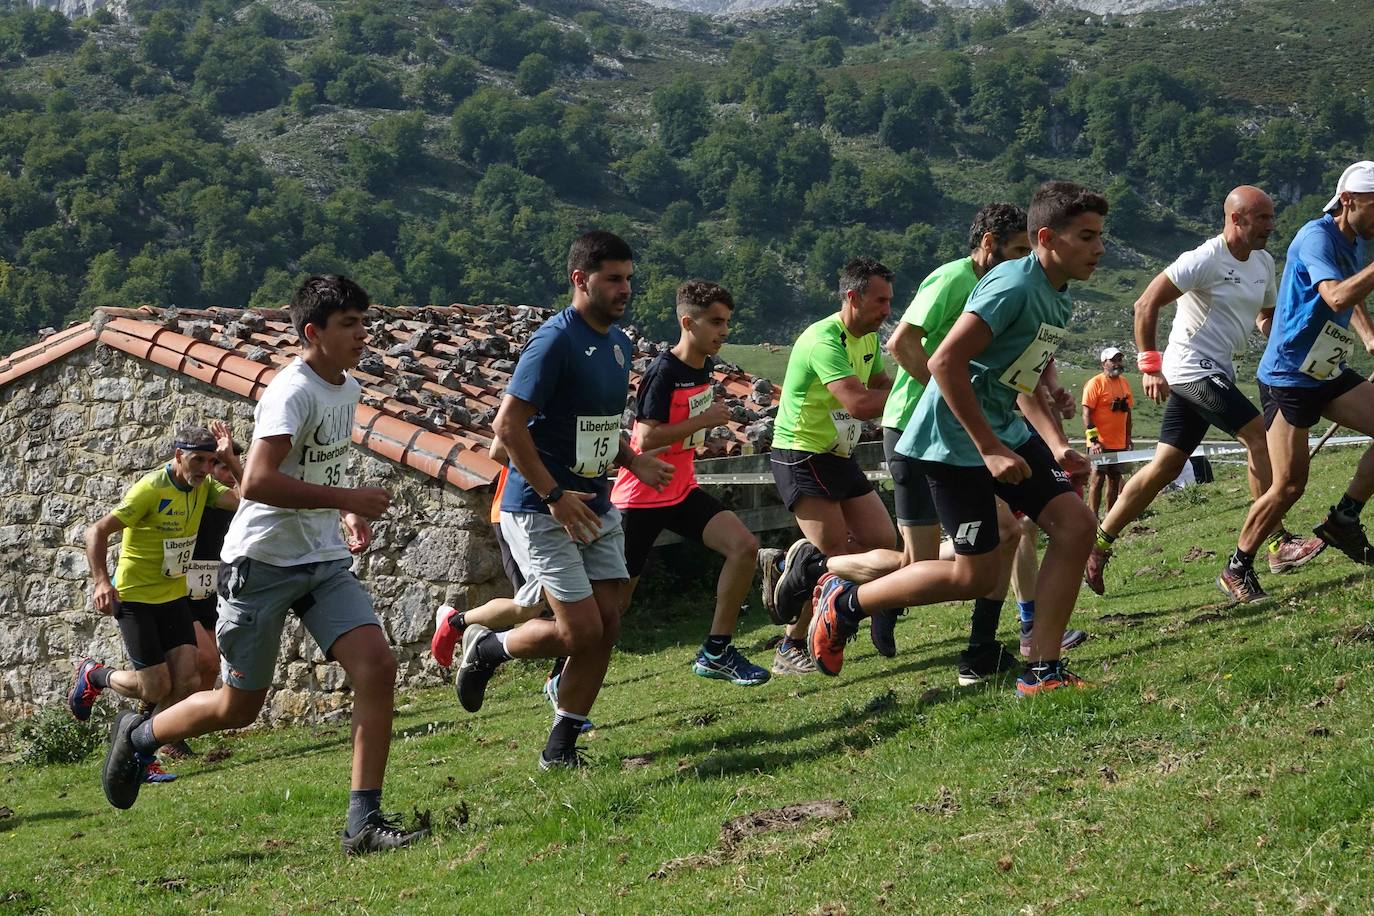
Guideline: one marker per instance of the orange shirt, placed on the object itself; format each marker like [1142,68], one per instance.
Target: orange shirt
[496,496]
[1109,402]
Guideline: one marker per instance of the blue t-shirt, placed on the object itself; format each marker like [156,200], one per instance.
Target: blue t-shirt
[578,380]
[1319,252]
[1027,317]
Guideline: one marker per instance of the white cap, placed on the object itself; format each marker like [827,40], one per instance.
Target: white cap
[1358,179]
[1109,353]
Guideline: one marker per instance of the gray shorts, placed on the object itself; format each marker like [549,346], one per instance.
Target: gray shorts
[254,598]
[554,562]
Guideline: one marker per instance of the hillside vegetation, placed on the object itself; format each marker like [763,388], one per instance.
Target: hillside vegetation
[211,152]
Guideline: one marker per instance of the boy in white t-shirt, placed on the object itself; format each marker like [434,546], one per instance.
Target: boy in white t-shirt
[1224,287]
[284,552]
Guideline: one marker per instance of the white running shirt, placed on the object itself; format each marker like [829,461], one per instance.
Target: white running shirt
[1221,297]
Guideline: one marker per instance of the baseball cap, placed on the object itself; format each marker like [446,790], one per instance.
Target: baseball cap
[1109,353]
[1358,179]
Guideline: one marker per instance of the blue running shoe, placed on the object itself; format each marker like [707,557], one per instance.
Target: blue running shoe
[551,691]
[152,769]
[81,698]
[730,666]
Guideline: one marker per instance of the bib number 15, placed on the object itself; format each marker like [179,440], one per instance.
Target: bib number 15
[598,440]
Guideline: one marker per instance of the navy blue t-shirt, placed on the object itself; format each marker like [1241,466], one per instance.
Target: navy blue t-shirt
[577,379]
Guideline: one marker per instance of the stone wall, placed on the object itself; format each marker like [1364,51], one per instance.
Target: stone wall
[75,434]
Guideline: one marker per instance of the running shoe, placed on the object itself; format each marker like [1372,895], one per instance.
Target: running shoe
[827,634]
[793,589]
[574,759]
[883,632]
[976,665]
[770,570]
[792,660]
[177,750]
[81,698]
[1072,639]
[380,833]
[474,672]
[1031,682]
[551,691]
[1241,587]
[122,773]
[446,636]
[1346,536]
[1097,565]
[152,769]
[730,666]
[1289,552]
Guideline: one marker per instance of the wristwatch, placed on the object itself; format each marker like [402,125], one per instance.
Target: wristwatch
[554,496]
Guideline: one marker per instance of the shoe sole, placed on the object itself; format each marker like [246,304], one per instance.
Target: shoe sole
[792,551]
[1334,542]
[1236,599]
[811,644]
[119,738]
[969,680]
[713,674]
[768,584]
[440,616]
[74,695]
[469,657]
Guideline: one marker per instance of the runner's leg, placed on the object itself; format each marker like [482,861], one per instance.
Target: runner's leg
[371,667]
[727,536]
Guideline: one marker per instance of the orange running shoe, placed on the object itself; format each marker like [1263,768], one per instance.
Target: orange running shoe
[1033,682]
[827,633]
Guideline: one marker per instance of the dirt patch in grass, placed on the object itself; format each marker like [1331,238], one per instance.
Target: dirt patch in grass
[738,829]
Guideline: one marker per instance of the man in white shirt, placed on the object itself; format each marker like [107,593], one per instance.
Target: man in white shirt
[1223,287]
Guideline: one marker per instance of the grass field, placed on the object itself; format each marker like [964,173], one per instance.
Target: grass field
[1222,764]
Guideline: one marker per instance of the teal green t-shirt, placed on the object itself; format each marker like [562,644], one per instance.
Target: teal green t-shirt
[939,300]
[1027,317]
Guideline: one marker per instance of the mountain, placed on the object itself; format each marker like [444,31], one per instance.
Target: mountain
[1100,7]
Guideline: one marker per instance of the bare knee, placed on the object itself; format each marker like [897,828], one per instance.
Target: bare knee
[376,669]
[1290,491]
[743,545]
[154,684]
[584,634]
[238,710]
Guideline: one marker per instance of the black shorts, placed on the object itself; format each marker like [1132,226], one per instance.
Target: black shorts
[512,568]
[910,491]
[687,519]
[150,631]
[1193,407]
[1302,407]
[825,475]
[966,497]
[204,611]
[1108,470]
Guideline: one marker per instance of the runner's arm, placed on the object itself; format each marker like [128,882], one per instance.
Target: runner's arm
[1034,410]
[497,452]
[512,427]
[1264,320]
[905,347]
[880,381]
[264,482]
[228,500]
[97,558]
[1158,294]
[1360,320]
[652,434]
[862,402]
[949,366]
[1348,293]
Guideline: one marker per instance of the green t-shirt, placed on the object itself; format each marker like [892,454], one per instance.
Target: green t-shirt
[161,519]
[1027,317]
[938,302]
[810,419]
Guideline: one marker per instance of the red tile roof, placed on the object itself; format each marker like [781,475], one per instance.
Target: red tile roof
[432,379]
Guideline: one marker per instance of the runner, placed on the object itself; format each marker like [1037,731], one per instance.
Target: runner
[974,447]
[1224,287]
[560,421]
[1303,375]
[227,469]
[835,381]
[674,408]
[1107,403]
[285,552]
[160,515]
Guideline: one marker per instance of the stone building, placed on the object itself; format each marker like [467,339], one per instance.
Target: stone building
[89,409]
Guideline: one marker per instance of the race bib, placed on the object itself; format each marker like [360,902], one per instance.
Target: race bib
[200,578]
[1329,351]
[847,432]
[597,444]
[176,556]
[1024,373]
[324,467]
[696,406]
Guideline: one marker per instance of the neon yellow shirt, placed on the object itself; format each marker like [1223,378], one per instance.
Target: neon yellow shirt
[810,418]
[161,519]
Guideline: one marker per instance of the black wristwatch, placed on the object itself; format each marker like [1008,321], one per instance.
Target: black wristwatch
[554,496]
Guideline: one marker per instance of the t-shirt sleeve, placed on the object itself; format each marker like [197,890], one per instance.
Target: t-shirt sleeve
[539,373]
[283,415]
[829,360]
[997,302]
[1130,396]
[1192,269]
[877,360]
[1318,254]
[654,399]
[216,490]
[137,504]
[933,308]
[1090,391]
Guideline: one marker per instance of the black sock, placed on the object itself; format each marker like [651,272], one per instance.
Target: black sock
[1044,668]
[491,650]
[557,668]
[1241,561]
[815,569]
[143,738]
[716,643]
[361,804]
[458,620]
[847,607]
[983,628]
[1350,508]
[100,677]
[563,736]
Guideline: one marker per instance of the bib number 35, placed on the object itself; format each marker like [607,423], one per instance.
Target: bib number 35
[1024,373]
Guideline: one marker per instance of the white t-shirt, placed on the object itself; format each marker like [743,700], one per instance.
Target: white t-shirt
[1221,297]
[318,417]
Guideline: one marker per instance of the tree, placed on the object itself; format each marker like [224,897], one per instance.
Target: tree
[535,74]
[682,114]
[652,176]
[241,72]
[825,52]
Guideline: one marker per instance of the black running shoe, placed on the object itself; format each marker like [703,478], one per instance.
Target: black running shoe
[123,771]
[794,588]
[575,758]
[882,632]
[984,662]
[379,834]
[1346,536]
[474,672]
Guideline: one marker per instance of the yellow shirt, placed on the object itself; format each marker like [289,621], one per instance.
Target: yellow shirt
[161,519]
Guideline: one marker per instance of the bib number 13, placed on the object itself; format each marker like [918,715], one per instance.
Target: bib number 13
[1329,352]
[1024,373]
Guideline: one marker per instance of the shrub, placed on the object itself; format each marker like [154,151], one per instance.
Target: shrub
[53,736]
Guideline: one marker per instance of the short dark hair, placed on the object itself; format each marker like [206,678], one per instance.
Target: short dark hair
[856,274]
[1002,220]
[323,295]
[591,249]
[696,296]
[1058,203]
